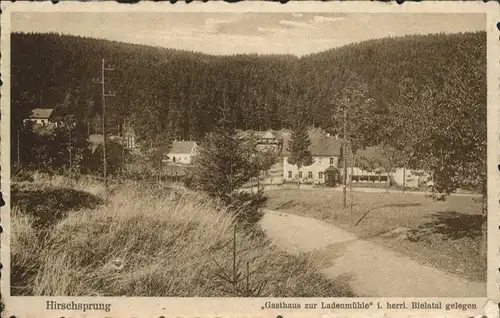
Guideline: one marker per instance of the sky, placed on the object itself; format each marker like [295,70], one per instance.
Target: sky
[223,33]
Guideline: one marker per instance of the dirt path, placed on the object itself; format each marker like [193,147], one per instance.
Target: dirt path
[370,269]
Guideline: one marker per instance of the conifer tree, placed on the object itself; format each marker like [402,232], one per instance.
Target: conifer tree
[157,151]
[300,155]
[222,166]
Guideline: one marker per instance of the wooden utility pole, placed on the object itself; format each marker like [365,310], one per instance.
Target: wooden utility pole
[158,174]
[124,144]
[104,69]
[18,150]
[345,156]
[404,179]
[70,159]
[350,183]
[69,122]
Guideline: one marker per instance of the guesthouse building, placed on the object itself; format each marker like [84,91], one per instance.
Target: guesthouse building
[325,151]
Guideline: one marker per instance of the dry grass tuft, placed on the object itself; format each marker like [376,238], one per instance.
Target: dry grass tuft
[153,243]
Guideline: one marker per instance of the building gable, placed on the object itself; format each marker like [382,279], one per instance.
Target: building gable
[41,113]
[321,146]
[183,147]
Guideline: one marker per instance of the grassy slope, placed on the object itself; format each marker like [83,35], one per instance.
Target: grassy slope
[145,243]
[447,233]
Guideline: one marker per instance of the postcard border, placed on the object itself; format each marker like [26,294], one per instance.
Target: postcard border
[230,307]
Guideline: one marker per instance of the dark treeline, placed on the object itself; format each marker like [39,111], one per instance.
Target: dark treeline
[164,90]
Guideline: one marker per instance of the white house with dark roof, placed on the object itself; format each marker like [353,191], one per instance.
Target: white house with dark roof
[325,151]
[42,117]
[182,152]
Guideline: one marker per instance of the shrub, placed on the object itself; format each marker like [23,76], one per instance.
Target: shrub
[21,175]
[46,205]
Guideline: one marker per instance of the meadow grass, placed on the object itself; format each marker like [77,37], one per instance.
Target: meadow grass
[444,234]
[147,242]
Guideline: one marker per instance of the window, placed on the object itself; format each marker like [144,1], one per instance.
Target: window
[289,174]
[173,159]
[320,175]
[300,174]
[331,161]
[310,175]
[130,142]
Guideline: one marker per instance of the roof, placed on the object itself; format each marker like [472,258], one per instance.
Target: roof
[268,135]
[373,153]
[41,113]
[182,146]
[321,145]
[96,139]
[99,138]
[258,134]
[331,168]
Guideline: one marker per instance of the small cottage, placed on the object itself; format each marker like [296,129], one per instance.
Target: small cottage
[42,117]
[182,152]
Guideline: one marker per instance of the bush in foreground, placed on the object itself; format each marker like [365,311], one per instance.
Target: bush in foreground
[48,205]
[154,245]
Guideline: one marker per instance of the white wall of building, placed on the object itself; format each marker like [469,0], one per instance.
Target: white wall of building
[183,158]
[130,141]
[320,163]
[38,121]
[412,180]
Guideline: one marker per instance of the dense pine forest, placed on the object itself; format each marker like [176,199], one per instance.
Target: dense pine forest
[183,92]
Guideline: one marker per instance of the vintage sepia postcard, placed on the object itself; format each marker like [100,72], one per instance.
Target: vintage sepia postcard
[253,159]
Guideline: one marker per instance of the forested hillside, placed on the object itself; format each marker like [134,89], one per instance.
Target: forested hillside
[169,91]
